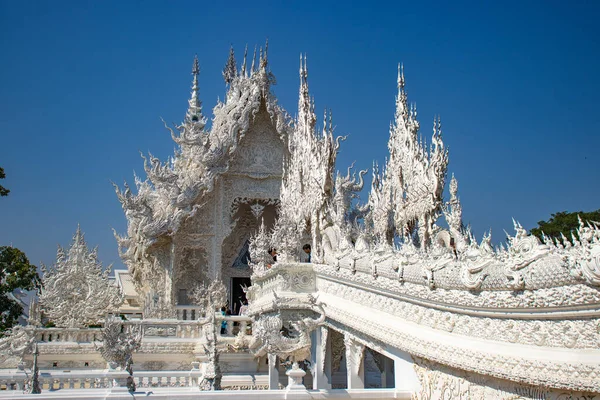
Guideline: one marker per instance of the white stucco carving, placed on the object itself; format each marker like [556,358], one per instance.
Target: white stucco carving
[76,290]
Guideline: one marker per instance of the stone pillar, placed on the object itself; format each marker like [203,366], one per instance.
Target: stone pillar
[273,372]
[355,353]
[405,377]
[387,374]
[321,358]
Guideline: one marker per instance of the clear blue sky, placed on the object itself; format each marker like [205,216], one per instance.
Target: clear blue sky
[84,84]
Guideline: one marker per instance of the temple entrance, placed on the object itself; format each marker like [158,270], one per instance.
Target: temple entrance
[237,293]
[248,214]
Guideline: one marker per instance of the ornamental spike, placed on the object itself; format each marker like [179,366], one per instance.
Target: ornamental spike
[265,60]
[305,66]
[401,76]
[243,73]
[253,61]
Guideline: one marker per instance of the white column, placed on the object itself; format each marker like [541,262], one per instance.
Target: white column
[273,372]
[355,370]
[321,358]
[387,375]
[405,377]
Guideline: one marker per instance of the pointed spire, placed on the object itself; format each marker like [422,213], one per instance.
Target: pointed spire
[306,115]
[230,70]
[194,112]
[253,61]
[244,64]
[78,238]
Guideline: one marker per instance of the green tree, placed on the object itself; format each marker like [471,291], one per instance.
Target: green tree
[16,273]
[564,222]
[3,191]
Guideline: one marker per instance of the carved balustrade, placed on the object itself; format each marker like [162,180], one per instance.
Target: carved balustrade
[79,335]
[99,379]
[180,329]
[189,313]
[289,279]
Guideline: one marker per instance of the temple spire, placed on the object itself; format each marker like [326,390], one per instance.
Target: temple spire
[230,70]
[194,112]
[306,115]
[402,108]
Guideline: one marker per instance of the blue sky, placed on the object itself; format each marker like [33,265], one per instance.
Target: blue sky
[84,85]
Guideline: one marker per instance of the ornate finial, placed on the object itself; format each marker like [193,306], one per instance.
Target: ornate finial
[230,70]
[196,66]
[194,112]
[244,64]
[453,188]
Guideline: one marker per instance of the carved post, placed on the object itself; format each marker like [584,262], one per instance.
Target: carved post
[321,359]
[34,387]
[273,372]
[355,352]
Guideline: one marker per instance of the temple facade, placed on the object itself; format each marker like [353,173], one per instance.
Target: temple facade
[192,219]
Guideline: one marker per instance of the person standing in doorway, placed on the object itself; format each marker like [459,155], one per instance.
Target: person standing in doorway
[307,251]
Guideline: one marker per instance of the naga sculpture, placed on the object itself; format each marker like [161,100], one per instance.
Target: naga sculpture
[272,336]
[119,342]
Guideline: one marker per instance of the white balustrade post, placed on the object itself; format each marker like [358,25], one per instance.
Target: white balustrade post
[273,372]
[229,327]
[195,374]
[295,389]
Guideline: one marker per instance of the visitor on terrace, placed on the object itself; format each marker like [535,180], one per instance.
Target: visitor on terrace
[273,253]
[223,323]
[307,250]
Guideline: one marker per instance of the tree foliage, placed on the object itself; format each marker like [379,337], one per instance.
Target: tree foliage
[3,191]
[564,223]
[15,273]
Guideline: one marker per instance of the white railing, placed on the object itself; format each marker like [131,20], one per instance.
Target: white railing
[227,326]
[98,379]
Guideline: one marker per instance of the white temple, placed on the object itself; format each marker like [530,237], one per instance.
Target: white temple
[388,304]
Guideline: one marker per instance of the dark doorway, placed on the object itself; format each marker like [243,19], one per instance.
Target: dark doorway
[237,293]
